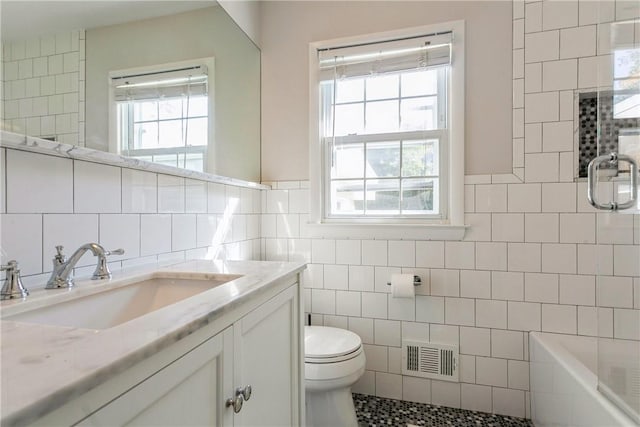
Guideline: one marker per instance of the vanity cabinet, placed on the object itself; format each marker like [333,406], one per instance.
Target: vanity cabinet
[262,348]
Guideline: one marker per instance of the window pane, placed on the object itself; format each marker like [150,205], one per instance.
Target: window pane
[348,161]
[420,158]
[419,196]
[349,119]
[419,113]
[383,87]
[419,83]
[171,134]
[347,197]
[145,135]
[382,116]
[198,106]
[170,108]
[166,159]
[383,159]
[350,90]
[383,196]
[145,111]
[196,131]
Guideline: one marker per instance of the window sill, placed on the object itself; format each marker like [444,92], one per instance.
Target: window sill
[386,231]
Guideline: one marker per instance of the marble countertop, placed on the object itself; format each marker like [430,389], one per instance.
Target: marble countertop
[44,366]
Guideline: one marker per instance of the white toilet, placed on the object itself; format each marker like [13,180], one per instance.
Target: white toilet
[333,361]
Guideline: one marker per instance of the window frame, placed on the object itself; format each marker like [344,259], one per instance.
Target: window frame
[452,170]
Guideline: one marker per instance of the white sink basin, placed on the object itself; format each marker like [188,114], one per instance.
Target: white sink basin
[112,307]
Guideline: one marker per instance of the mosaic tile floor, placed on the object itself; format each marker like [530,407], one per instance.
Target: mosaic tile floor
[376,411]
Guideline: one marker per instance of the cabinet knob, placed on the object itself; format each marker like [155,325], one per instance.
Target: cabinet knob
[235,402]
[245,392]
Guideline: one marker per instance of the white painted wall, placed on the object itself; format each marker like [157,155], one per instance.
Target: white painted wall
[246,13]
[289,27]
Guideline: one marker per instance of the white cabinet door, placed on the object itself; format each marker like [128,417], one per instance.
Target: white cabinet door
[266,356]
[188,392]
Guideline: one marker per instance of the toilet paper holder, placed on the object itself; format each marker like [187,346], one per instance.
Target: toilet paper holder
[416,281]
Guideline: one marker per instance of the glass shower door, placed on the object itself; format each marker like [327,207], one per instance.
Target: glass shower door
[613,185]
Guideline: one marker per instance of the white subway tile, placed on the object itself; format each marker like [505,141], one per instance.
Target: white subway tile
[507,227]
[299,201]
[475,284]
[578,42]
[524,257]
[560,75]
[70,231]
[509,402]
[524,316]
[491,314]
[155,234]
[348,303]
[588,321]
[388,385]
[415,331]
[445,394]
[557,136]
[479,227]
[277,201]
[626,10]
[336,277]
[507,344]
[559,258]
[542,167]
[561,319]
[614,292]
[416,389]
[469,198]
[313,276]
[139,191]
[615,229]
[566,105]
[476,397]
[430,254]
[475,341]
[120,231]
[459,255]
[374,252]
[171,194]
[518,9]
[374,305]
[577,228]
[196,196]
[491,256]
[339,322]
[377,357]
[532,78]
[518,123]
[445,334]
[559,14]
[491,198]
[206,226]
[287,225]
[445,282]
[559,197]
[460,311]
[524,197]
[402,308]
[490,371]
[268,225]
[518,64]
[428,309]
[626,260]
[47,180]
[363,327]
[542,46]
[507,286]
[595,259]
[361,278]
[366,384]
[3,171]
[299,249]
[382,276]
[533,17]
[626,324]
[518,93]
[216,198]
[21,240]
[541,228]
[323,301]
[183,232]
[467,368]
[577,290]
[323,251]
[97,188]
[387,332]
[402,253]
[588,12]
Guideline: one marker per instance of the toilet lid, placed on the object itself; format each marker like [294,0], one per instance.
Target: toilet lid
[325,342]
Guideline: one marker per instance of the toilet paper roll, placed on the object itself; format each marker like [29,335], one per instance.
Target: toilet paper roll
[402,286]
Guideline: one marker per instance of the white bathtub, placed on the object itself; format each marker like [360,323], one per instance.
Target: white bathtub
[564,383]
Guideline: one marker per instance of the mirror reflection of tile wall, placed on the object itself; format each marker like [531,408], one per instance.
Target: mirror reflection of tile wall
[43,87]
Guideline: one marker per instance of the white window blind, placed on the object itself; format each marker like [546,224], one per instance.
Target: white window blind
[169,83]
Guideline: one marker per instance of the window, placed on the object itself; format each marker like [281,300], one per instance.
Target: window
[389,117]
[162,115]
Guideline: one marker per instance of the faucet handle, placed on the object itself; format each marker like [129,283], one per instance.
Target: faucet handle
[102,269]
[119,251]
[12,287]
[59,258]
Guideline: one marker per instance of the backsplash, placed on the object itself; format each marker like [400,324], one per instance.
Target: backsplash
[49,201]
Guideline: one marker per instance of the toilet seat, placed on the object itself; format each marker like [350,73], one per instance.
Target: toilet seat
[325,344]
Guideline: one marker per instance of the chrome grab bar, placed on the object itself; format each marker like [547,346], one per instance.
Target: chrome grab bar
[613,158]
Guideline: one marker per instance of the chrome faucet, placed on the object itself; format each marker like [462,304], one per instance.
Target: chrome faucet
[12,287]
[62,268]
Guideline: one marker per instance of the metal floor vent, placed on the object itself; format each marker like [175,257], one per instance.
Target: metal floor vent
[430,360]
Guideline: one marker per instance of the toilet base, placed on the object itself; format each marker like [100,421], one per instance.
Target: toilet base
[331,408]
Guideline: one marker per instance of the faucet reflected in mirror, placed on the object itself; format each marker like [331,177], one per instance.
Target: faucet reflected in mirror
[61,276]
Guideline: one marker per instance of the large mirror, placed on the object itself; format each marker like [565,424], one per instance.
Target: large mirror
[172,82]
